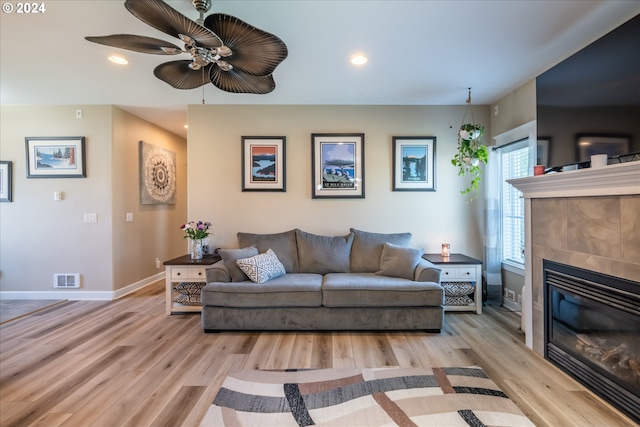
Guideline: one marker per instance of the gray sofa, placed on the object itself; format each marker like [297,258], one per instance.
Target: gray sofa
[361,281]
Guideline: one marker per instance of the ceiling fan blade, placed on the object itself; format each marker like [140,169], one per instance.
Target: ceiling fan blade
[137,44]
[163,17]
[255,51]
[237,81]
[180,76]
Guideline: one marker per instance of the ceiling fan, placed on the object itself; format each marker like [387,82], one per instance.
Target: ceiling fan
[226,51]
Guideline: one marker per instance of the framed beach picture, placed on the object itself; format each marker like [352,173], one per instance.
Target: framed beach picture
[337,165]
[414,165]
[5,181]
[55,157]
[264,163]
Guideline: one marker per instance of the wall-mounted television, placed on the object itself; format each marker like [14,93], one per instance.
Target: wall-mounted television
[590,102]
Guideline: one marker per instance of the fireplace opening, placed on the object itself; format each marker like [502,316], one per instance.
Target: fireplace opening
[592,332]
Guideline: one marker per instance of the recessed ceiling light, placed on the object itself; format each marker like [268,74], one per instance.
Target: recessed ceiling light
[358,59]
[186,126]
[118,60]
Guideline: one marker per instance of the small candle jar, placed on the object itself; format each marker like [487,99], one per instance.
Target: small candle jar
[445,249]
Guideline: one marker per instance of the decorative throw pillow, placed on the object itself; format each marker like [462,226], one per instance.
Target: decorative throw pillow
[458,289]
[367,249]
[230,256]
[398,261]
[262,267]
[283,244]
[323,254]
[189,288]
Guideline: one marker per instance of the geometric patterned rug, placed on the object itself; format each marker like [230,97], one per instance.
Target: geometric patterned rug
[462,396]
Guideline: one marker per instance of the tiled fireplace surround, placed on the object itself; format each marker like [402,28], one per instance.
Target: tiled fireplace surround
[588,218]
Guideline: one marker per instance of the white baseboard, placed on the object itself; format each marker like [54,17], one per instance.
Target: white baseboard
[79,295]
[138,285]
[511,305]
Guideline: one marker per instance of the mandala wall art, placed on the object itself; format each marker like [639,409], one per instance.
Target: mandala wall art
[157,175]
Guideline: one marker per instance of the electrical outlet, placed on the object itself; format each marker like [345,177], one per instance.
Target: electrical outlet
[158,263]
[90,217]
[511,295]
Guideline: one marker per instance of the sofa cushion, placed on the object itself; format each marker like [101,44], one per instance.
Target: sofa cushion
[399,261]
[290,290]
[323,254]
[229,258]
[283,244]
[262,267]
[367,249]
[371,290]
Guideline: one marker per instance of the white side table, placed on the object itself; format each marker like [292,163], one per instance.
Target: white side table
[185,269]
[460,268]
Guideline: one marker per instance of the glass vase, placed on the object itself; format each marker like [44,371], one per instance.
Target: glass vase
[197,251]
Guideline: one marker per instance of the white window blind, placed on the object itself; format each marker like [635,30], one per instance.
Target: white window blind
[514,163]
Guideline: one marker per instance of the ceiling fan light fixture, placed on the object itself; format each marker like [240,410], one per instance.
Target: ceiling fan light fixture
[120,60]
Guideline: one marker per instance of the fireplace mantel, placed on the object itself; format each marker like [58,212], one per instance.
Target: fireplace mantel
[613,180]
[617,179]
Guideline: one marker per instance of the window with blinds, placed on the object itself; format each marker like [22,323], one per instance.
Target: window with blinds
[514,163]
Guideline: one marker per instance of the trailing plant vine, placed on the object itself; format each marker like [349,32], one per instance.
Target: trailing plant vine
[471,154]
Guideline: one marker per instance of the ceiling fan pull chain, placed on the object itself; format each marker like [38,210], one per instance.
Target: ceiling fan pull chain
[203,85]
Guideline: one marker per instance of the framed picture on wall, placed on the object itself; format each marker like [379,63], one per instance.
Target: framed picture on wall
[264,163]
[337,165]
[55,157]
[414,163]
[6,183]
[157,175]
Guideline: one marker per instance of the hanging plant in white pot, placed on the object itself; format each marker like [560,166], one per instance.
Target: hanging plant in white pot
[471,155]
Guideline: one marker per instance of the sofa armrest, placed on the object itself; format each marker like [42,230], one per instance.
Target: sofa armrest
[427,272]
[218,272]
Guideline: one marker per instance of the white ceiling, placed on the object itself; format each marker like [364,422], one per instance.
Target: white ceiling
[420,52]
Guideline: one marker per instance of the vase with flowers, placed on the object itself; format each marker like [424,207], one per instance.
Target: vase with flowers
[196,232]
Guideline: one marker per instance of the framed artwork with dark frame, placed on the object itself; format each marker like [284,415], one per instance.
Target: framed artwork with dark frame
[264,163]
[337,165]
[611,145]
[6,183]
[56,157]
[414,163]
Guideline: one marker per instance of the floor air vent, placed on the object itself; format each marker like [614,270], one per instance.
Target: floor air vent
[66,280]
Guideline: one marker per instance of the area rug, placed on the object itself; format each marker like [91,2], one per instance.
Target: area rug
[463,396]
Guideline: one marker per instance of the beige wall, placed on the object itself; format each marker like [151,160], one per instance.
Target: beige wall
[154,232]
[40,236]
[514,109]
[215,194]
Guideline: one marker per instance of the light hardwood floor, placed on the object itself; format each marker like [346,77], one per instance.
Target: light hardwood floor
[125,363]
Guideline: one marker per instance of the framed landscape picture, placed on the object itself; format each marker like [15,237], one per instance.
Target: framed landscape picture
[264,163]
[414,165]
[337,165]
[55,157]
